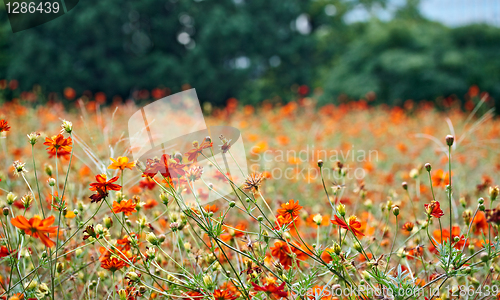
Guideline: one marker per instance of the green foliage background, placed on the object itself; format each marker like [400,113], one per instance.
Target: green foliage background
[118,46]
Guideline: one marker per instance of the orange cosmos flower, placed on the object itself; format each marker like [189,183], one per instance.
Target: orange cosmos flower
[440,178]
[36,227]
[408,226]
[58,145]
[455,232]
[223,295]
[354,225]
[480,224]
[291,208]
[104,185]
[192,155]
[113,264]
[284,221]
[17,296]
[121,163]
[272,290]
[126,207]
[434,209]
[4,126]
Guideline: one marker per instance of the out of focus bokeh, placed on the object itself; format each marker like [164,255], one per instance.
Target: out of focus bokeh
[385,51]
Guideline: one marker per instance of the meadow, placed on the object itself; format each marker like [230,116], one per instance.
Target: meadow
[346,201]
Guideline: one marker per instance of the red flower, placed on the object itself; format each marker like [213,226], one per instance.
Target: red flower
[272,290]
[167,166]
[102,187]
[434,209]
[4,126]
[4,251]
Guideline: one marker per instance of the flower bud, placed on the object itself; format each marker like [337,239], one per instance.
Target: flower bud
[467,216]
[449,140]
[404,185]
[207,280]
[174,226]
[60,267]
[482,207]
[395,210]
[337,249]
[480,200]
[414,173]
[161,238]
[108,222]
[232,204]
[152,239]
[51,181]
[494,192]
[123,294]
[48,169]
[27,200]
[33,137]
[428,167]
[260,218]
[164,198]
[132,276]
[320,163]
[67,126]
[5,211]
[358,247]
[341,209]
[11,197]
[318,219]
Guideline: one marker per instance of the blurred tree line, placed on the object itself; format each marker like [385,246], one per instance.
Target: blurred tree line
[252,50]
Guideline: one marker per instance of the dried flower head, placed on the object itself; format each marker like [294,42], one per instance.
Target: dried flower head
[194,173]
[253,182]
[226,144]
[19,168]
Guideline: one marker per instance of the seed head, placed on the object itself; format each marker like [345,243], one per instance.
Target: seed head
[253,182]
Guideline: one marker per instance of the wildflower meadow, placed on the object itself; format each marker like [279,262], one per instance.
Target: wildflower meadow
[344,201]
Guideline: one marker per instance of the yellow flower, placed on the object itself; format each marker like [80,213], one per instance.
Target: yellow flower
[121,163]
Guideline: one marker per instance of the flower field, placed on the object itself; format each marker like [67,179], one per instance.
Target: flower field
[346,201]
